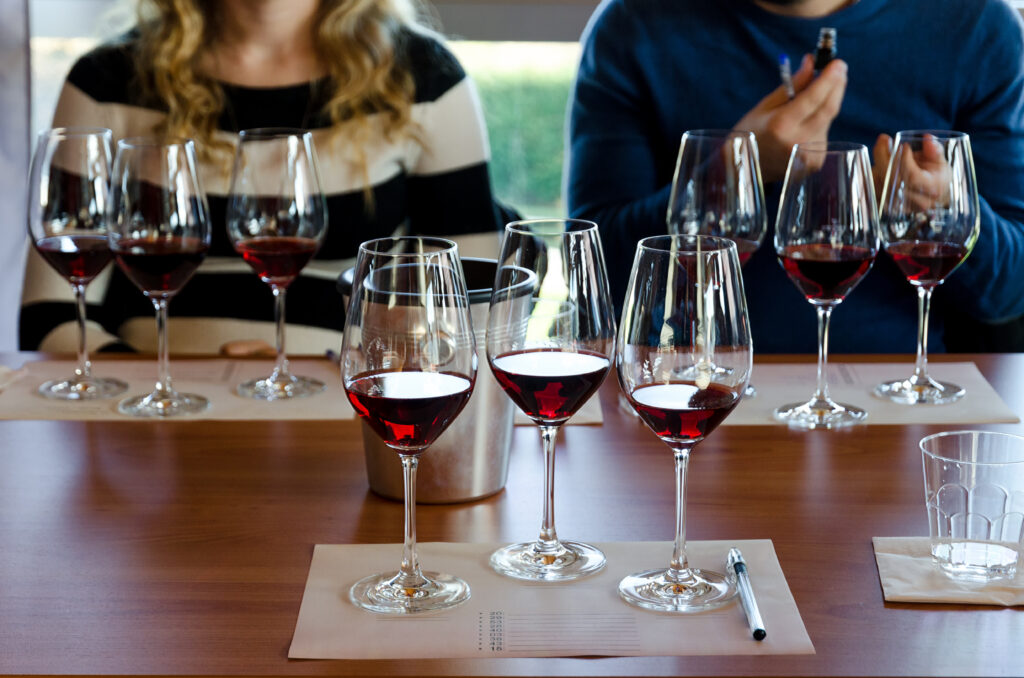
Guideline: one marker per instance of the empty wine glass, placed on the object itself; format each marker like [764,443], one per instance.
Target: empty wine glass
[159,233]
[717,190]
[409,364]
[67,222]
[277,219]
[930,220]
[826,238]
[683,359]
[549,345]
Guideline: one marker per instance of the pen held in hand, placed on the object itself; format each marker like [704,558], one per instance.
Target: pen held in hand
[738,567]
[786,75]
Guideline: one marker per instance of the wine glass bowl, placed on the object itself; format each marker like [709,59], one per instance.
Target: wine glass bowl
[930,220]
[409,365]
[159,234]
[717,190]
[550,340]
[67,222]
[277,220]
[683,359]
[826,239]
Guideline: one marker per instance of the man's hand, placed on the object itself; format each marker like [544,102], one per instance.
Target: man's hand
[924,174]
[779,122]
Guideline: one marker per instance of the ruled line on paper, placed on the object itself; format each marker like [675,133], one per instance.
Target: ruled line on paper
[571,632]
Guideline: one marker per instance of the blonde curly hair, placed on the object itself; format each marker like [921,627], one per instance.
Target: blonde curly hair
[356,40]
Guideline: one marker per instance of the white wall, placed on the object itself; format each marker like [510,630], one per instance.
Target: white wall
[14,158]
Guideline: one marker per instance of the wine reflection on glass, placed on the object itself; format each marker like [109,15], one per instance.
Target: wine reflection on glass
[826,238]
[683,359]
[550,339]
[717,190]
[159,234]
[67,221]
[277,220]
[930,220]
[409,365]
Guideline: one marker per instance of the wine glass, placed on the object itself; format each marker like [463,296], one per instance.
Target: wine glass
[159,233]
[409,364]
[277,219]
[550,337]
[826,237]
[930,220]
[717,190]
[683,359]
[67,222]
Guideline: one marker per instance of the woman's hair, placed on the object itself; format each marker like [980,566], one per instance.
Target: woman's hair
[356,40]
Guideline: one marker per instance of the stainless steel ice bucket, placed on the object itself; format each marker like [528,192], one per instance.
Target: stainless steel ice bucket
[470,460]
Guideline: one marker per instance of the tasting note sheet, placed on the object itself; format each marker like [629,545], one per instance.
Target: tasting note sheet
[216,379]
[512,618]
[783,383]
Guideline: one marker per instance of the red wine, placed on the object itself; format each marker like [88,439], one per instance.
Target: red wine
[550,385]
[926,263]
[745,249]
[680,411]
[77,257]
[277,259]
[409,410]
[825,273]
[160,267]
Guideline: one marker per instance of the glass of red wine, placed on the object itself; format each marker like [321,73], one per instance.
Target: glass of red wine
[684,357]
[67,222]
[930,220]
[159,233]
[717,190]
[550,338]
[409,363]
[826,238]
[277,219]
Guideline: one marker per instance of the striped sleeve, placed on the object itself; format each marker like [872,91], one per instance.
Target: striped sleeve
[449,184]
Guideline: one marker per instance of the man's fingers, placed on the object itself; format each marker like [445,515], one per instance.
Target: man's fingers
[805,74]
[826,92]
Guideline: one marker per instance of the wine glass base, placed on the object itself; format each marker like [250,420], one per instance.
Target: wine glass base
[919,392]
[91,388]
[654,590]
[382,593]
[163,404]
[571,560]
[820,414]
[280,388]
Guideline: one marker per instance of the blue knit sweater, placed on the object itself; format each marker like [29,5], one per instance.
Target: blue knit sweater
[652,69]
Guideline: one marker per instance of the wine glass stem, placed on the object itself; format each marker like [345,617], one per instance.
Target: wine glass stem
[679,568]
[547,542]
[281,368]
[924,302]
[409,575]
[84,370]
[163,379]
[824,318]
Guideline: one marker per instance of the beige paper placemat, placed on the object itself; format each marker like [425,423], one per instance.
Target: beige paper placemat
[215,379]
[909,575]
[783,383]
[510,618]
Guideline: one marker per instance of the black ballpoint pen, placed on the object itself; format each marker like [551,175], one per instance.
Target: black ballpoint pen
[735,564]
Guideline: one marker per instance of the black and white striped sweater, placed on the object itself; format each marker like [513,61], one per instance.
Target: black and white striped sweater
[439,186]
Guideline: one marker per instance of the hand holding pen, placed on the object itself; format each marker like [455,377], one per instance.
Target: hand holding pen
[778,122]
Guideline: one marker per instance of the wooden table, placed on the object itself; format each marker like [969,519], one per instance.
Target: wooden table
[183,547]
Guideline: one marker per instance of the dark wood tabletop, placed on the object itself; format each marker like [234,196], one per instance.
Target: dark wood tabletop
[183,547]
